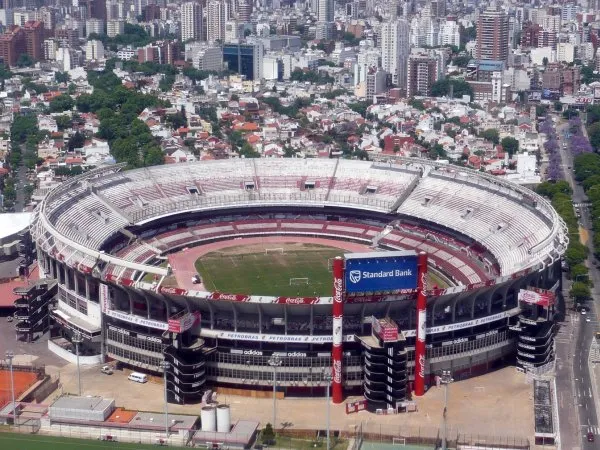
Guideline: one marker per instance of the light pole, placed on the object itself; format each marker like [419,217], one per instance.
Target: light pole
[275,361]
[165,366]
[328,378]
[445,379]
[10,355]
[77,339]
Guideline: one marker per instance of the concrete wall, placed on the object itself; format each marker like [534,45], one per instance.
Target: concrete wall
[72,358]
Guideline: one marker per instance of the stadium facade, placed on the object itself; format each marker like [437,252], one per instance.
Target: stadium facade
[104,237]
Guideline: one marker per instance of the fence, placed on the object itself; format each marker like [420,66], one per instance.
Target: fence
[117,434]
[432,437]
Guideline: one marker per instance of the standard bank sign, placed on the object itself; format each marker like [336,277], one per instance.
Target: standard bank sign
[381,271]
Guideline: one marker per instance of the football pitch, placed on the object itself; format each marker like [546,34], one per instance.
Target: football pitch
[15,441]
[290,269]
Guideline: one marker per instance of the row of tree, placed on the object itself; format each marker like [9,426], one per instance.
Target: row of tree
[560,194]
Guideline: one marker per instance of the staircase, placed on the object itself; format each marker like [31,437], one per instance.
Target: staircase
[379,236]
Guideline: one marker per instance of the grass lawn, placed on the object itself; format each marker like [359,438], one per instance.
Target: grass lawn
[249,270]
[15,441]
[235,271]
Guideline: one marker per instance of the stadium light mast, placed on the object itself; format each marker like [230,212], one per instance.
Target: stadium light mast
[10,356]
[328,378]
[77,339]
[275,361]
[165,366]
[445,379]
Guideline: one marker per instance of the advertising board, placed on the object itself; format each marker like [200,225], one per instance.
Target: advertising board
[137,320]
[386,330]
[536,296]
[184,322]
[381,271]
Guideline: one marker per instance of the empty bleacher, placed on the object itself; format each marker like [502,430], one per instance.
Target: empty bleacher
[518,232]
[496,221]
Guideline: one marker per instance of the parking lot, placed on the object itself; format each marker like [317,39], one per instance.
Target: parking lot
[496,404]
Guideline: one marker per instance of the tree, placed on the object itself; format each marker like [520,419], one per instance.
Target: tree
[594,134]
[63,122]
[177,120]
[575,254]
[462,60]
[62,103]
[62,77]
[360,107]
[248,151]
[580,291]
[22,126]
[76,141]
[579,272]
[268,435]
[551,189]
[24,60]
[417,104]
[510,145]
[491,135]
[443,87]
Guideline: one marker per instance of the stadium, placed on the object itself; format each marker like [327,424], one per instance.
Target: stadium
[124,247]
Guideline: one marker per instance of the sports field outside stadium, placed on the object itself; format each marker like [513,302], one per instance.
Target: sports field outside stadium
[15,441]
[286,269]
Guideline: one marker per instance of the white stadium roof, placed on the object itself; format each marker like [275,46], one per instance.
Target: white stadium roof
[13,223]
[517,226]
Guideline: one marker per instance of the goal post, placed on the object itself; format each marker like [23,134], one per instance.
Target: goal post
[274,250]
[330,264]
[298,281]
[401,442]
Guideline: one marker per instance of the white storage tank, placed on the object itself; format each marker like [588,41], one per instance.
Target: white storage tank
[208,418]
[223,419]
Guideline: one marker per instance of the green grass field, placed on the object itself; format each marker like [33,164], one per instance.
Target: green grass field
[249,270]
[14,441]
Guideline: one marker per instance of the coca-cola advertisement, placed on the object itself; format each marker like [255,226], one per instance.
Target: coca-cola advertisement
[172,291]
[230,297]
[296,300]
[537,296]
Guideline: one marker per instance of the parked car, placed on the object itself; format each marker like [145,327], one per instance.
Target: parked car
[106,370]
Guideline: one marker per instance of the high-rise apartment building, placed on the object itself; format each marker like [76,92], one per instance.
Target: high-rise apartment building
[492,35]
[95,26]
[115,27]
[27,39]
[422,72]
[325,15]
[245,59]
[244,11]
[395,49]
[34,37]
[191,21]
[217,14]
[94,50]
[96,9]
[12,44]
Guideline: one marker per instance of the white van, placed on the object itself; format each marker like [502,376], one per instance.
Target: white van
[138,377]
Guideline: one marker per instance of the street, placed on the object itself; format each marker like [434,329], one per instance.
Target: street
[581,330]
